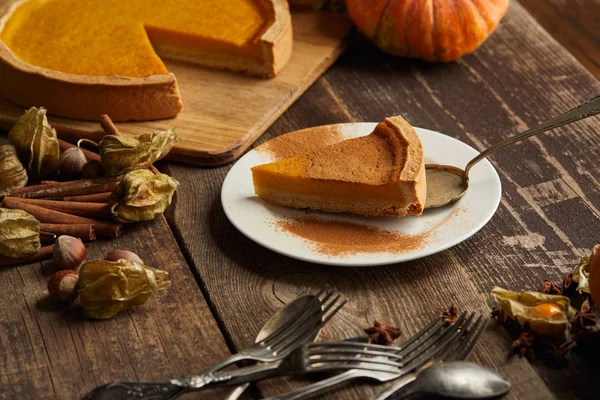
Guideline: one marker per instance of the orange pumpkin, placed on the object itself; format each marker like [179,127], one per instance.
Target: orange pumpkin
[433,30]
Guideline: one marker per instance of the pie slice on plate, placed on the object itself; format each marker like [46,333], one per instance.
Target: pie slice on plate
[379,174]
[81,59]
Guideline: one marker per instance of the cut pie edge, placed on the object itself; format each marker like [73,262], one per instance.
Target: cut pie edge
[122,98]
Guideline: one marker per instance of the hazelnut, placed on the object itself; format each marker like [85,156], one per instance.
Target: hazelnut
[123,254]
[68,252]
[92,169]
[71,163]
[62,286]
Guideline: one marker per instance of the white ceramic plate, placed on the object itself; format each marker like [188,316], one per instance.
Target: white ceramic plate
[443,227]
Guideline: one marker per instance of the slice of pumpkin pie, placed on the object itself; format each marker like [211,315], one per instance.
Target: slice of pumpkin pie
[84,58]
[379,174]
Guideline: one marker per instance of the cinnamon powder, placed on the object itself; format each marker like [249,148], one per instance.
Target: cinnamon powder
[302,142]
[345,238]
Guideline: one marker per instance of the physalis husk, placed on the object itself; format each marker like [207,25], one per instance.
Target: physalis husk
[107,287]
[141,195]
[19,233]
[36,143]
[122,154]
[589,275]
[545,315]
[12,172]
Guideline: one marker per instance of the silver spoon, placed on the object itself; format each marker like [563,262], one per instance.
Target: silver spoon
[278,319]
[457,380]
[446,184]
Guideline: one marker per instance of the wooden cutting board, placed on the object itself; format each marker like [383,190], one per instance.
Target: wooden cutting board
[224,112]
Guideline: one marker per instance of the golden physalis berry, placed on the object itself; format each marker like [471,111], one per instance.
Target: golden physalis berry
[548,309]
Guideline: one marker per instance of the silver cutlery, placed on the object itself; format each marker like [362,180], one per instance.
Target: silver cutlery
[459,350]
[431,341]
[283,316]
[457,380]
[300,324]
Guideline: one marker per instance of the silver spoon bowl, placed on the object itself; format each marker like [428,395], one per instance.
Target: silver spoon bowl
[457,380]
[446,184]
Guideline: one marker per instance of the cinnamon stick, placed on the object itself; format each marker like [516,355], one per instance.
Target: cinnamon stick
[81,231]
[89,155]
[83,209]
[102,228]
[92,198]
[108,126]
[70,188]
[44,253]
[49,182]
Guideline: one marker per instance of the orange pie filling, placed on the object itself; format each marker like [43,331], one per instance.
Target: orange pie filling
[393,192]
[119,37]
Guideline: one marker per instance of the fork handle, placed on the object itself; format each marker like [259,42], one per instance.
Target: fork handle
[316,387]
[405,383]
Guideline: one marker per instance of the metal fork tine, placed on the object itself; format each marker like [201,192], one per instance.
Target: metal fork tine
[325,351]
[320,293]
[287,326]
[305,329]
[333,312]
[356,359]
[458,343]
[429,350]
[470,346]
[419,334]
[421,347]
[276,338]
[351,345]
[448,341]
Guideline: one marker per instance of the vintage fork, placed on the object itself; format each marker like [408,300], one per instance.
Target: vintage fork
[415,352]
[274,347]
[459,350]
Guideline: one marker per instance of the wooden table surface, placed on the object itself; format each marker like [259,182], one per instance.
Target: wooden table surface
[225,286]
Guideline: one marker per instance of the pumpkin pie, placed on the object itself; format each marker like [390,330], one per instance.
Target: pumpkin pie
[81,59]
[379,174]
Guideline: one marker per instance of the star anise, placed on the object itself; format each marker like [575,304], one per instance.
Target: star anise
[523,345]
[450,315]
[558,353]
[382,333]
[550,287]
[584,317]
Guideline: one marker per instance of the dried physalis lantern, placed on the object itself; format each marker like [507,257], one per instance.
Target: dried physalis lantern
[107,287]
[12,172]
[141,195]
[545,315]
[122,154]
[36,143]
[588,275]
[19,233]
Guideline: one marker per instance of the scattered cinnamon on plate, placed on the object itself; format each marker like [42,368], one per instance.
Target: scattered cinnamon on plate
[342,238]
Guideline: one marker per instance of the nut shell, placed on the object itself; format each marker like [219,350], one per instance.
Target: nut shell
[62,286]
[69,252]
[72,162]
[116,255]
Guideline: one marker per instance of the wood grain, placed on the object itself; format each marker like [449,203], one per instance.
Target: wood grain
[225,112]
[548,217]
[53,351]
[575,24]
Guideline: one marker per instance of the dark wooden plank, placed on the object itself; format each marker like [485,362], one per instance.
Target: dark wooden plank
[520,77]
[53,351]
[574,24]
